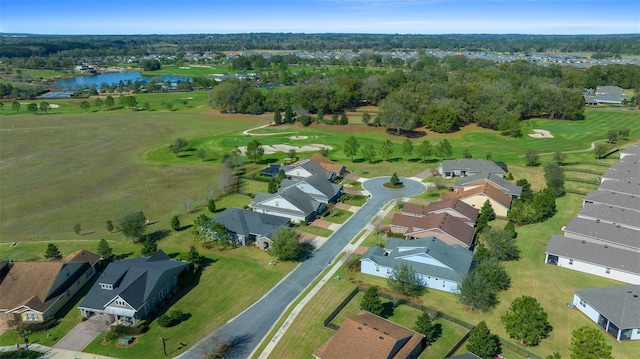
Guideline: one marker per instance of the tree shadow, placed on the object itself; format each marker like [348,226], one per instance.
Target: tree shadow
[157,235]
[387,310]
[185,227]
[238,345]
[87,233]
[122,256]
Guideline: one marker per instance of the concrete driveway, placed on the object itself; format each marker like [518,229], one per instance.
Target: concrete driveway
[80,336]
[245,331]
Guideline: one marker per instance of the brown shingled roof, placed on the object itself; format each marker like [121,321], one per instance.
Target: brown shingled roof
[327,164]
[453,204]
[29,283]
[443,222]
[82,256]
[488,190]
[369,336]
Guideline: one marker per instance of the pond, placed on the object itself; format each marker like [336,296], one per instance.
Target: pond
[110,78]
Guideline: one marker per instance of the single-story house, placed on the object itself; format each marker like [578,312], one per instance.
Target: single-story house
[35,291]
[439,265]
[468,167]
[615,309]
[129,290]
[627,170]
[338,169]
[367,335]
[471,182]
[447,228]
[289,203]
[625,187]
[306,168]
[500,202]
[597,259]
[454,207]
[600,232]
[610,94]
[316,186]
[249,226]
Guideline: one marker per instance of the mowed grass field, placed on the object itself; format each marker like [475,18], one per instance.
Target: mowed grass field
[71,167]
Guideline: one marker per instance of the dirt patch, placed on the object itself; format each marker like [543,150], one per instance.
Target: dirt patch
[541,134]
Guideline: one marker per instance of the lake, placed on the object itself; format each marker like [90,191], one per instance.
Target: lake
[112,78]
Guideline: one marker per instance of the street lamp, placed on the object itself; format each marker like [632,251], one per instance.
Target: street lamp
[164,347]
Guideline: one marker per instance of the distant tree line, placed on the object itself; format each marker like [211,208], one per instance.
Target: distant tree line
[137,45]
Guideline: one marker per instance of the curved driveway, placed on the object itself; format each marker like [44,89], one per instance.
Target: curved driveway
[247,329]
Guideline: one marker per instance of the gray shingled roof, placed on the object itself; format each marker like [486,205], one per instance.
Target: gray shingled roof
[136,279]
[310,166]
[508,187]
[621,305]
[605,232]
[626,187]
[620,259]
[319,182]
[299,199]
[244,222]
[473,165]
[455,257]
[614,199]
[625,171]
[610,214]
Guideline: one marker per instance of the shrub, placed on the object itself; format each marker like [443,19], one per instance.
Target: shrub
[164,321]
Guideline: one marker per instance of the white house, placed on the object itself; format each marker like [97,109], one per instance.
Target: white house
[597,259]
[615,309]
[439,265]
[289,203]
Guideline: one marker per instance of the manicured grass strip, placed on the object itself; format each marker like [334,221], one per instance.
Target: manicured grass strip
[315,230]
[357,200]
[356,238]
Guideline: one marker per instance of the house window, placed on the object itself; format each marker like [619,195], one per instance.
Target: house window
[120,302]
[161,294]
[444,282]
[570,261]
[583,303]
[608,271]
[32,317]
[388,271]
[106,286]
[377,269]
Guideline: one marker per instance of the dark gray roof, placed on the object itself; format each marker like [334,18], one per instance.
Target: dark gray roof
[605,232]
[610,98]
[609,90]
[610,214]
[134,280]
[626,187]
[621,305]
[473,165]
[615,199]
[311,166]
[508,187]
[244,222]
[456,258]
[620,259]
[316,181]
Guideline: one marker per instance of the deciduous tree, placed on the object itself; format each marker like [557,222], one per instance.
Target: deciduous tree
[407,148]
[600,150]
[178,146]
[201,153]
[15,105]
[286,245]
[526,321]
[386,150]
[494,273]
[34,107]
[425,149]
[555,178]
[109,102]
[44,107]
[531,157]
[612,135]
[366,118]
[211,205]
[444,149]
[369,153]
[404,280]
[98,102]
[132,225]
[351,147]
[77,228]
[559,157]
[255,151]
[109,225]
[175,223]
[501,244]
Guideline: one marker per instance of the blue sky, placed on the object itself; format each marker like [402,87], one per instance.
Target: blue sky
[320,16]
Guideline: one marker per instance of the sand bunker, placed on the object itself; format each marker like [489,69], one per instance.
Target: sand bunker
[298,137]
[541,134]
[285,148]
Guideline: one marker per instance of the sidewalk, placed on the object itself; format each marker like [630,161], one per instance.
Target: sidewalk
[350,248]
[53,353]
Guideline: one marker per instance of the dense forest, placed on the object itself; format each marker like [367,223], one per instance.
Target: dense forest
[138,45]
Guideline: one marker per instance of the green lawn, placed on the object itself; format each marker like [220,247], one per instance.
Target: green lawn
[315,230]
[338,216]
[357,200]
[189,71]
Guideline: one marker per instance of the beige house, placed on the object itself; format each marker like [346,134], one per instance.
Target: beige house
[475,197]
[35,291]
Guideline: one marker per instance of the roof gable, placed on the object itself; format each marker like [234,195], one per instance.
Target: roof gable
[621,305]
[479,179]
[442,222]
[245,222]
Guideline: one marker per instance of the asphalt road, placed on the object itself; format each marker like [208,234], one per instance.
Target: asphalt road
[247,330]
